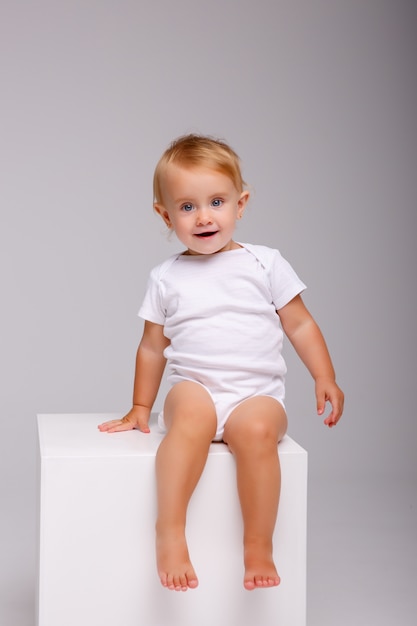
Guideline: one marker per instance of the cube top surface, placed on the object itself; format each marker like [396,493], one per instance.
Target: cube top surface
[76,435]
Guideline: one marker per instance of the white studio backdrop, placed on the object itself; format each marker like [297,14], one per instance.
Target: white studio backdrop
[319,100]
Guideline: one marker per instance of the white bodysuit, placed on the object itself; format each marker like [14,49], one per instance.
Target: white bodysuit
[219,313]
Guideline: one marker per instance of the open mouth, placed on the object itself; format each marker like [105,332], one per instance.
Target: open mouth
[207,234]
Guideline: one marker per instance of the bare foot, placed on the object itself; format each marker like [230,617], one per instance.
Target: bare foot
[260,570]
[173,562]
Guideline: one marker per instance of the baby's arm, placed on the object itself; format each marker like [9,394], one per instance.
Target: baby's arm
[150,365]
[308,341]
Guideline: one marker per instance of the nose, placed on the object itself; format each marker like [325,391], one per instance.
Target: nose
[204,217]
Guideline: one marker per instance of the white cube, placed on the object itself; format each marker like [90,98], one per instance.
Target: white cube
[96,537]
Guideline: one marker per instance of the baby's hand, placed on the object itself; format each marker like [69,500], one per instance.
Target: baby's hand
[138,417]
[328,391]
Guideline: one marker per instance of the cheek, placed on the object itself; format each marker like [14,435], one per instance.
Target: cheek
[180,226]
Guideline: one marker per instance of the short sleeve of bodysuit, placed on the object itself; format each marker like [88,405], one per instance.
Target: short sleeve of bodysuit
[152,308]
[283,280]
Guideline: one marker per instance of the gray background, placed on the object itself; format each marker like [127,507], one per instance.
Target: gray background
[319,99]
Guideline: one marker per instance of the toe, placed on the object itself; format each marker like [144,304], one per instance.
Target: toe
[193,582]
[249,584]
[183,583]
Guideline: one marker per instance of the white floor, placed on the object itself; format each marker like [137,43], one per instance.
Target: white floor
[362,563]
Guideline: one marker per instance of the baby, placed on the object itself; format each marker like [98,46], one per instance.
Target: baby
[216,312]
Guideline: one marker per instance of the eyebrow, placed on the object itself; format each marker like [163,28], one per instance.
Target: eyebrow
[220,194]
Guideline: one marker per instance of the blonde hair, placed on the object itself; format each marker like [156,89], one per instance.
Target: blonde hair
[199,151]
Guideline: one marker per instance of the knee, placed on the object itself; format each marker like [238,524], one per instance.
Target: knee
[257,433]
[262,431]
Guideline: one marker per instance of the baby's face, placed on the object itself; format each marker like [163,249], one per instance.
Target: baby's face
[201,206]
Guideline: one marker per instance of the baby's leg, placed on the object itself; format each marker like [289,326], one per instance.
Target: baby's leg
[252,432]
[191,423]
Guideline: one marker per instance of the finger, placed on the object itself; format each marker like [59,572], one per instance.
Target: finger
[121,427]
[321,403]
[337,407]
[106,425]
[330,421]
[333,418]
[115,426]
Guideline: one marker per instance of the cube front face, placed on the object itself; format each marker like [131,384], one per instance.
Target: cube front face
[96,552]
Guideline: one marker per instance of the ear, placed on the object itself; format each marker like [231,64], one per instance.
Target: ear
[159,208]
[242,202]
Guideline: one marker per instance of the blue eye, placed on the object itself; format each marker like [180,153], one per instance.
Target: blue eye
[187,207]
[217,202]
